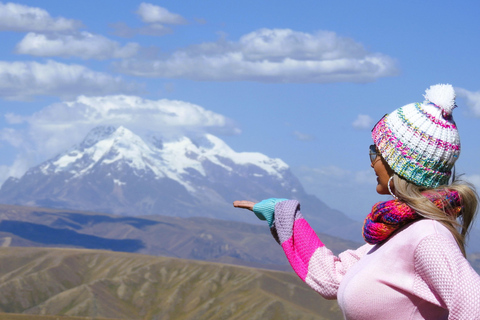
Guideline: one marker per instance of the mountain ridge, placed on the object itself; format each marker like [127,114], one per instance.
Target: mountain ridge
[113,170]
[197,238]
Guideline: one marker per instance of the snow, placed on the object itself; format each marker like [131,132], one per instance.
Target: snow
[118,182]
[104,146]
[271,166]
[67,159]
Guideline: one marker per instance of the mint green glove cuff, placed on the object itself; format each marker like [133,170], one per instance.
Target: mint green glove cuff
[265,209]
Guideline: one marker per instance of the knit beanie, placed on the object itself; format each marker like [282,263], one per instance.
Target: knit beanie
[420,141]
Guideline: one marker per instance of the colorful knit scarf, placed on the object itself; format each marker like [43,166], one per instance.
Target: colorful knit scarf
[388,216]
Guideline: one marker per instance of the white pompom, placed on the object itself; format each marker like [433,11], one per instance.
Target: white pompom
[442,95]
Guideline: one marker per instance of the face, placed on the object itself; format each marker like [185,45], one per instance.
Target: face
[383,172]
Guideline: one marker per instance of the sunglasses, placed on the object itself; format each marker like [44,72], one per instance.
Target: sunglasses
[373,152]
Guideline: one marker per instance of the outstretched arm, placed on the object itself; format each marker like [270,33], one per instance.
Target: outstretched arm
[309,258]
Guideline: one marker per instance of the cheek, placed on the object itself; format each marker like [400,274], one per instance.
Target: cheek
[382,178]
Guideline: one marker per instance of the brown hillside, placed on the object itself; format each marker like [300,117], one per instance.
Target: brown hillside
[12,316]
[90,283]
[188,238]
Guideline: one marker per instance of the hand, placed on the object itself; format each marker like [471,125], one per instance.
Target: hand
[244,204]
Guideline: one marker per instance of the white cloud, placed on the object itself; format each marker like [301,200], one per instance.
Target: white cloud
[472,99]
[83,45]
[17,169]
[303,136]
[12,118]
[363,122]
[18,17]
[150,13]
[12,136]
[155,18]
[155,29]
[270,55]
[23,159]
[25,80]
[58,126]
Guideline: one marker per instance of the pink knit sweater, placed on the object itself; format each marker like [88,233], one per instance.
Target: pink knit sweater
[418,273]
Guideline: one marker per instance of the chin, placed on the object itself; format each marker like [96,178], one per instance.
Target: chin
[381,190]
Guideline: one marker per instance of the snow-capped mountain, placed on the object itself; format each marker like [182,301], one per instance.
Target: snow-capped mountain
[116,171]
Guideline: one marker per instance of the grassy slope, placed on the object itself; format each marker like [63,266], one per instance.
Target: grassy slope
[88,283]
[12,316]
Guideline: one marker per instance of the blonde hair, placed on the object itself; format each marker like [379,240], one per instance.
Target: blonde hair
[411,194]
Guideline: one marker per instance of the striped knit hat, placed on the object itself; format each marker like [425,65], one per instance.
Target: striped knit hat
[420,141]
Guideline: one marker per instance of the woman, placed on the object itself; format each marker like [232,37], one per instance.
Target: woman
[413,265]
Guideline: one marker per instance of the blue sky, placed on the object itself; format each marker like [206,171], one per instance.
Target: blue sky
[303,81]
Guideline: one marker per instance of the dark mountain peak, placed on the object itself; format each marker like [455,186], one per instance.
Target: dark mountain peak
[97,134]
